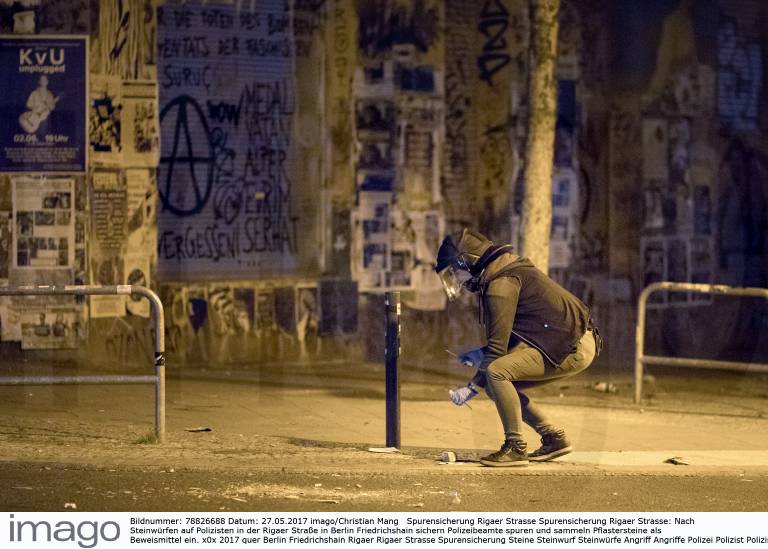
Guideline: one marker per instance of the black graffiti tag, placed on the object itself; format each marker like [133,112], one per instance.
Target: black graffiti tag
[184,167]
[494,22]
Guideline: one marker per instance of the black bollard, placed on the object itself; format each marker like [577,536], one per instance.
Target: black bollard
[391,354]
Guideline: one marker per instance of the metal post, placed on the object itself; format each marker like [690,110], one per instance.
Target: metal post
[640,342]
[159,318]
[391,354]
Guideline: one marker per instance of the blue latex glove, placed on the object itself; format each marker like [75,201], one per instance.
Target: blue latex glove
[462,395]
[472,358]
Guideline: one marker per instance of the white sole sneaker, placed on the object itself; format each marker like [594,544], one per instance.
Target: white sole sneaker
[517,463]
[552,455]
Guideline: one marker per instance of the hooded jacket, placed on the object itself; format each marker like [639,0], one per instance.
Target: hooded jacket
[520,303]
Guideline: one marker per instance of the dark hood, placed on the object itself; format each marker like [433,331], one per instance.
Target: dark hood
[504,263]
[468,242]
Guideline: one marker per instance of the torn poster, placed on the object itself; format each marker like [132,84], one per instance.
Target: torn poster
[49,327]
[136,272]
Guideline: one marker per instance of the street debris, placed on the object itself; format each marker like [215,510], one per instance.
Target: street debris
[456,497]
[70,506]
[604,387]
[448,457]
[387,450]
[677,460]
[198,429]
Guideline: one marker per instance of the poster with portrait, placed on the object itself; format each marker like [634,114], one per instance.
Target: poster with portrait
[44,229]
[42,115]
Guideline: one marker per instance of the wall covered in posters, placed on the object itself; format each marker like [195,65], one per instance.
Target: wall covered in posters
[272,167]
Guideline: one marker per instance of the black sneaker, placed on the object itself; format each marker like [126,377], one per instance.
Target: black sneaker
[553,445]
[511,454]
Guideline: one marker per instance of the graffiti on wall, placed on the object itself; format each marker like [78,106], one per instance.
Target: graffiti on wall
[739,77]
[742,204]
[125,45]
[493,25]
[261,322]
[341,57]
[226,173]
[457,161]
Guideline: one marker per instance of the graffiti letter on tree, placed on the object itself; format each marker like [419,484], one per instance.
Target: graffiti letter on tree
[494,22]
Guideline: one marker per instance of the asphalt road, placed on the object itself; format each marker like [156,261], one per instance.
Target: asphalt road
[55,487]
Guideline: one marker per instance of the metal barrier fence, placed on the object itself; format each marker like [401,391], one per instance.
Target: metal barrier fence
[156,311]
[641,359]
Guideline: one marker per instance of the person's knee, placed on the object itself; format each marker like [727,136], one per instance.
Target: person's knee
[498,373]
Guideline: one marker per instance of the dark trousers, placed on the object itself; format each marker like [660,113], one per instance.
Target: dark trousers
[524,367]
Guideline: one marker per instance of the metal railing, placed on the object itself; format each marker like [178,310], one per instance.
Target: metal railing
[156,311]
[642,359]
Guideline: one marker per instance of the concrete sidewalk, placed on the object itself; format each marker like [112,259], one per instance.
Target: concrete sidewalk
[265,420]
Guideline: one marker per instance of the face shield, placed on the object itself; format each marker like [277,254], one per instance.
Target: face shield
[453,278]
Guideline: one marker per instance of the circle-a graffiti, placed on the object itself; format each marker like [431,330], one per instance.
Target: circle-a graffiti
[186,171]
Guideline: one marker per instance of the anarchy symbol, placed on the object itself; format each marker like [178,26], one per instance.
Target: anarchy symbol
[184,169]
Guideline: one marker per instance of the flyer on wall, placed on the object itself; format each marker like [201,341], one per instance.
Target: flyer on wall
[44,234]
[43,115]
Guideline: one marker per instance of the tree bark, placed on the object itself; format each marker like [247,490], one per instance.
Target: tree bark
[539,149]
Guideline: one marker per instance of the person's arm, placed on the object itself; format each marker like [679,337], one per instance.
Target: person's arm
[500,308]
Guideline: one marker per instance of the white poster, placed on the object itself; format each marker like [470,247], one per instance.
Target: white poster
[108,212]
[10,320]
[49,326]
[44,233]
[371,253]
[565,187]
[140,123]
[429,229]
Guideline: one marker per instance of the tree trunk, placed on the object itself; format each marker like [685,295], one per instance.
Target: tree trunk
[539,147]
